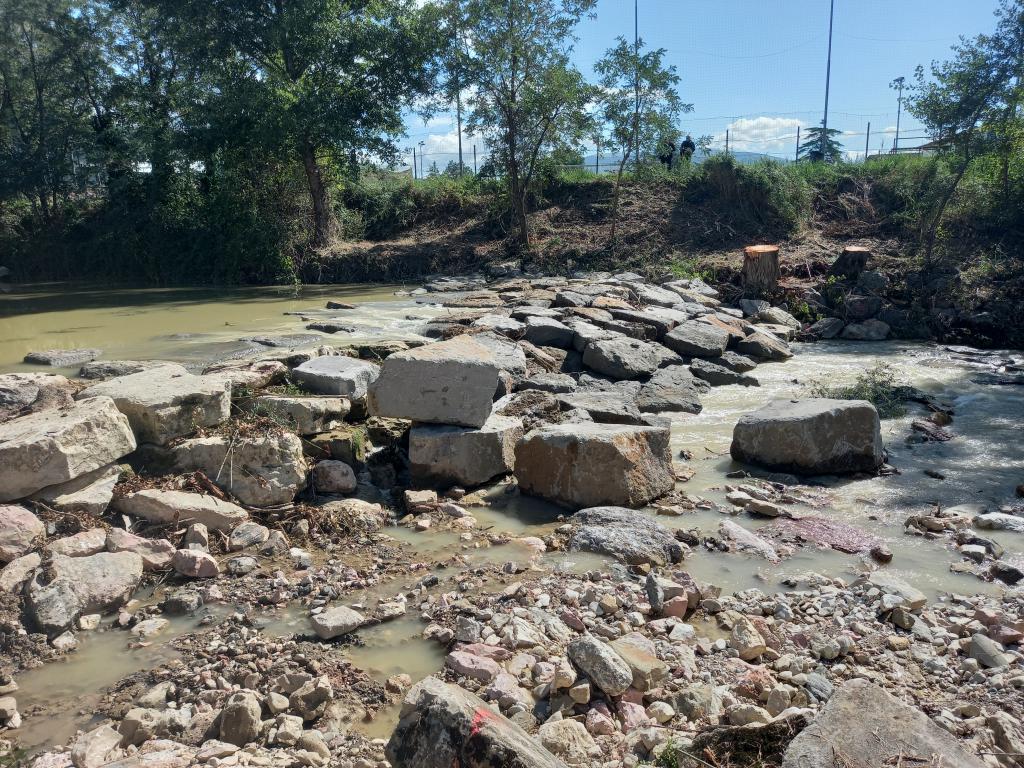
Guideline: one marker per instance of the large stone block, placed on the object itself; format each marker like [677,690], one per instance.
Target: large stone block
[450,382]
[54,446]
[591,465]
[166,402]
[306,415]
[625,358]
[862,726]
[73,586]
[333,375]
[444,725]
[631,536]
[183,508]
[88,494]
[261,471]
[444,455]
[810,437]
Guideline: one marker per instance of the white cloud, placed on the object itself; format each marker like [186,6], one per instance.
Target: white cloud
[771,135]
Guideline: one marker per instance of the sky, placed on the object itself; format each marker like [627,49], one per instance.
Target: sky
[757,67]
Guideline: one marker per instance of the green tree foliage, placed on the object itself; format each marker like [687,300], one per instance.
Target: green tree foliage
[811,149]
[639,105]
[313,77]
[44,138]
[527,96]
[972,104]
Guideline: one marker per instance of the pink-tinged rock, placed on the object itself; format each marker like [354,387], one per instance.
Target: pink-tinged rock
[1005,635]
[20,530]
[599,724]
[155,553]
[677,607]
[488,651]
[195,564]
[633,716]
[505,689]
[571,619]
[478,667]
[83,544]
[633,696]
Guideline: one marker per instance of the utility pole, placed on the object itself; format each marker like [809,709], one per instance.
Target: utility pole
[727,141]
[867,141]
[828,77]
[422,156]
[898,82]
[597,156]
[414,163]
[458,89]
[474,159]
[796,157]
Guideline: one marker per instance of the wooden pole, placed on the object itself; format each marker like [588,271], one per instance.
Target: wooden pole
[867,141]
[760,269]
[797,157]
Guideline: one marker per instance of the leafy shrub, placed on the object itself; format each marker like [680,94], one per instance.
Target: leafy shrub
[767,198]
[880,386]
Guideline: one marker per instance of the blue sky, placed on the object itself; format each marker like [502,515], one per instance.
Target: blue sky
[757,67]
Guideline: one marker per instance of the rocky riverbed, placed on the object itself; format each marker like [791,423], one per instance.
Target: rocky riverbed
[510,540]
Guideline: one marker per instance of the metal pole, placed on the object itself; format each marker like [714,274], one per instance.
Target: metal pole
[867,141]
[414,162]
[828,77]
[458,112]
[474,159]
[797,158]
[899,110]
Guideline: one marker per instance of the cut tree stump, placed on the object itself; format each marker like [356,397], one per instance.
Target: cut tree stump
[851,262]
[760,269]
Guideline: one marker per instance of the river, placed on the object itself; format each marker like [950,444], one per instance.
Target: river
[982,464]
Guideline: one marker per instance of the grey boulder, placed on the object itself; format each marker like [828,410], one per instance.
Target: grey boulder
[51,447]
[625,534]
[73,586]
[862,726]
[449,382]
[810,437]
[336,375]
[625,358]
[443,455]
[696,339]
[166,402]
[588,465]
[444,725]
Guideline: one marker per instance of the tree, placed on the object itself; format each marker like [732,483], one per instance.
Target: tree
[527,96]
[811,148]
[43,126]
[640,105]
[318,78]
[971,104]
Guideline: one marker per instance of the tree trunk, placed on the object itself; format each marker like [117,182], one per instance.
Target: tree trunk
[323,220]
[524,222]
[760,269]
[851,262]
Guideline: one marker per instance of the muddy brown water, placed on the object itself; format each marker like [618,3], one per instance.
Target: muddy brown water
[982,464]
